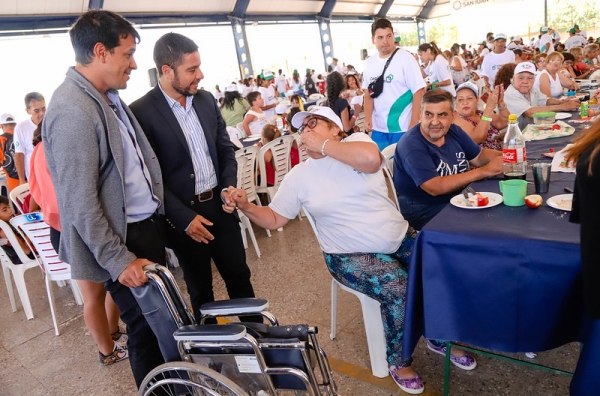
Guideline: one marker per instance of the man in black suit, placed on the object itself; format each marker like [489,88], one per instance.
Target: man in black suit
[188,134]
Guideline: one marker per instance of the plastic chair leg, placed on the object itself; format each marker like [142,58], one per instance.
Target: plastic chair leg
[51,301]
[76,292]
[334,292]
[243,229]
[252,236]
[9,288]
[23,295]
[375,336]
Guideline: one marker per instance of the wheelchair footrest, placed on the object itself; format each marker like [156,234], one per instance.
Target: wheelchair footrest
[237,306]
[210,332]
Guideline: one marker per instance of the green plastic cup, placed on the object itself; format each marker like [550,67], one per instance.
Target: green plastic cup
[513,192]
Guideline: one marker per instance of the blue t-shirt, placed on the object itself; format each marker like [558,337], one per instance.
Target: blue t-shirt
[416,161]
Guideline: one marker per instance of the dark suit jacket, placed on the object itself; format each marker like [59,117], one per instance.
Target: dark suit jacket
[168,141]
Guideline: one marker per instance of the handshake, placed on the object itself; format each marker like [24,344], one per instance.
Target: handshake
[234,198]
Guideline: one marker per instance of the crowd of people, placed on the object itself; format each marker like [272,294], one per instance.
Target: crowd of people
[164,169]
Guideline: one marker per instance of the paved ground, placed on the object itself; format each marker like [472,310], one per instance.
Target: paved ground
[292,275]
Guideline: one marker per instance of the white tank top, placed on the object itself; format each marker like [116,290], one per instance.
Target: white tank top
[556,89]
[256,125]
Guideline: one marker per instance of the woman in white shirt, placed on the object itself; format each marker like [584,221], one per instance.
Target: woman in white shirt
[458,66]
[439,69]
[549,81]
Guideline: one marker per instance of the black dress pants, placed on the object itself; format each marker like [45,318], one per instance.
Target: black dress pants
[226,250]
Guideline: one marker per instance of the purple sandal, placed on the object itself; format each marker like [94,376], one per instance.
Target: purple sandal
[413,386]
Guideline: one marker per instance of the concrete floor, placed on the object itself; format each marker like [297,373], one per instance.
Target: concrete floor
[292,275]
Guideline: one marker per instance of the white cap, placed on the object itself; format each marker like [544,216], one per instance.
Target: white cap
[231,88]
[469,85]
[525,67]
[517,38]
[282,108]
[7,119]
[500,36]
[321,111]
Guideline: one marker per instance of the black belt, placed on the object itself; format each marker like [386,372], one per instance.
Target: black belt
[205,196]
[151,218]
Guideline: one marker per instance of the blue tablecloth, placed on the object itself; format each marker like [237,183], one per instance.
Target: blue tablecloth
[503,278]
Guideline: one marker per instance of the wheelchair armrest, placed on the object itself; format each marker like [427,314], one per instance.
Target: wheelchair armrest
[210,332]
[236,306]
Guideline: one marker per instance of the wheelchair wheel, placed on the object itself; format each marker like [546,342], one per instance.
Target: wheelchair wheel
[183,378]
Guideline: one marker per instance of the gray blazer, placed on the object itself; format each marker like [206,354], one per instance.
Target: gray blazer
[84,151]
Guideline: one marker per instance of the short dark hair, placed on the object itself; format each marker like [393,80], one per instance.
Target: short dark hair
[518,51]
[437,96]
[33,96]
[4,200]
[170,48]
[291,114]
[380,24]
[251,97]
[99,26]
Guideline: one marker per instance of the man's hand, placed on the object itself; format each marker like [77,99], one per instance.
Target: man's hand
[133,275]
[198,232]
[369,124]
[494,167]
[571,105]
[229,205]
[239,197]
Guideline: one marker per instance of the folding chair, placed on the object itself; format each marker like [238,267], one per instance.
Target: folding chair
[247,177]
[18,195]
[245,224]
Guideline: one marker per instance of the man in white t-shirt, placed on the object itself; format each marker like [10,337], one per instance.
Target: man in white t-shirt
[397,108]
[575,40]
[495,60]
[336,66]
[516,43]
[482,51]
[281,82]
[36,108]
[545,44]
[580,32]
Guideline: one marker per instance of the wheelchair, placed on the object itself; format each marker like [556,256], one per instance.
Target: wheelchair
[246,359]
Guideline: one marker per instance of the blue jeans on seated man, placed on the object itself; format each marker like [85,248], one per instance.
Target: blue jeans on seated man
[384,139]
[417,213]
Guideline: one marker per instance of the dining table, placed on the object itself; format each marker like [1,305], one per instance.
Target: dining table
[502,278]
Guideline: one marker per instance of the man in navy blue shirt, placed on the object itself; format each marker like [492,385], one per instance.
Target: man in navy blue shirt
[433,161]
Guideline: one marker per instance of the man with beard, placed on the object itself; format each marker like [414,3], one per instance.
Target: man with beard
[433,161]
[189,136]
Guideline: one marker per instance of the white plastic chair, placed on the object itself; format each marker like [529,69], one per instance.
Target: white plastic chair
[280,148]
[247,179]
[38,233]
[321,101]
[360,121]
[18,195]
[234,136]
[388,154]
[240,127]
[315,96]
[245,224]
[17,271]
[371,310]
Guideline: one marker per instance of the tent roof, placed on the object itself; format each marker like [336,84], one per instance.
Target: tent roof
[36,16]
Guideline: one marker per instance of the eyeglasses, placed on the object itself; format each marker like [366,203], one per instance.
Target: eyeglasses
[555,61]
[311,123]
[542,61]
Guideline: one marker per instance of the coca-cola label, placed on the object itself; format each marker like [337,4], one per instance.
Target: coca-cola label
[514,155]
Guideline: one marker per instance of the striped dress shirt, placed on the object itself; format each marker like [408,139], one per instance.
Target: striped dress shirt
[206,177]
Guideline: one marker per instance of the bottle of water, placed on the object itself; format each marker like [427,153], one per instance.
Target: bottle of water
[513,151]
[280,123]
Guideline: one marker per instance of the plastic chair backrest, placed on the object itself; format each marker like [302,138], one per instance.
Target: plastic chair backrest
[360,121]
[240,127]
[388,154]
[315,96]
[303,154]
[37,231]
[321,101]
[280,148]
[18,194]
[246,175]
[14,242]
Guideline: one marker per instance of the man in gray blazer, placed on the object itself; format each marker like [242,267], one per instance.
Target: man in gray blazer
[107,179]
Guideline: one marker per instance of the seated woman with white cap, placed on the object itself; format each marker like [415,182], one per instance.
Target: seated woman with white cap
[365,239]
[482,126]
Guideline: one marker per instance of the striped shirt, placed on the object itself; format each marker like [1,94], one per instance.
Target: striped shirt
[206,177]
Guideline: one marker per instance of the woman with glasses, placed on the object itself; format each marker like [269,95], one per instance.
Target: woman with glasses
[548,80]
[567,66]
[540,62]
[365,239]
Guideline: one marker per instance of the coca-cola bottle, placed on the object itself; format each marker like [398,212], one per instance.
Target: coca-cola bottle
[513,151]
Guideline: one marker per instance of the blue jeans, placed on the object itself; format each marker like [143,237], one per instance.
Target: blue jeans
[384,139]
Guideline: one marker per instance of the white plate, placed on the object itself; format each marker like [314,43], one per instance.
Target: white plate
[460,202]
[562,116]
[561,202]
[252,138]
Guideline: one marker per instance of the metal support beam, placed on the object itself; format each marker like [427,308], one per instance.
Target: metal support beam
[326,42]
[385,7]
[239,10]
[327,9]
[96,4]
[421,32]
[241,47]
[427,8]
